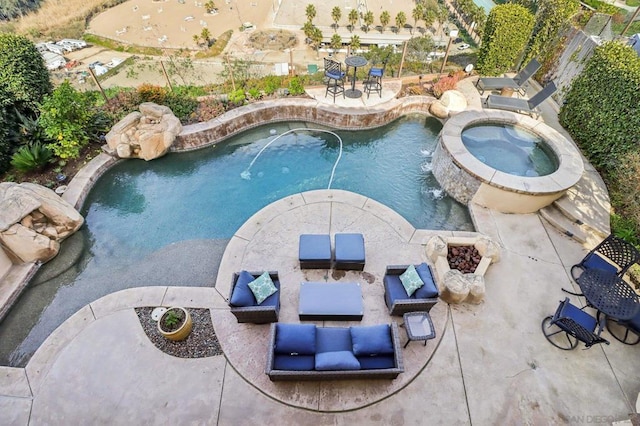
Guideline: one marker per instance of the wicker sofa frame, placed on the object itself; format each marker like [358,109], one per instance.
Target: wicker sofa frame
[401,307]
[289,375]
[254,314]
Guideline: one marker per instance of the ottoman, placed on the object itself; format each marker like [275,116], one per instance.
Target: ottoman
[349,252]
[314,251]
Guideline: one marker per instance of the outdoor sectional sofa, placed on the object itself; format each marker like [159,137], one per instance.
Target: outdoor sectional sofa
[308,352]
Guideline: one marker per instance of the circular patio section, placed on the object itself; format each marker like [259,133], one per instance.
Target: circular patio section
[467,179]
[269,241]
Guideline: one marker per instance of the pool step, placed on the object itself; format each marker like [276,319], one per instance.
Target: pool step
[570,226]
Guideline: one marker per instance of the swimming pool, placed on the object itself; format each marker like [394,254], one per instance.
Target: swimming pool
[139,214]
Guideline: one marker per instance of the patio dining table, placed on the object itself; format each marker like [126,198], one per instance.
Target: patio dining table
[609,294]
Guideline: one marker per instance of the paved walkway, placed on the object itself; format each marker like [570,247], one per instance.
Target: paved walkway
[492,364]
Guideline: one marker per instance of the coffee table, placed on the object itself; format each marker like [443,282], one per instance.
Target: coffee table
[330,301]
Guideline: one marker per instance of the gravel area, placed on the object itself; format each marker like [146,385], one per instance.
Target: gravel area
[201,343]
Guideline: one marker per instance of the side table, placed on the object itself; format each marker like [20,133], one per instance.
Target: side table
[419,327]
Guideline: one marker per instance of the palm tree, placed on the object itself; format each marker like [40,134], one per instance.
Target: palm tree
[353,18]
[401,19]
[416,14]
[336,14]
[310,11]
[385,18]
[336,42]
[429,17]
[368,19]
[355,42]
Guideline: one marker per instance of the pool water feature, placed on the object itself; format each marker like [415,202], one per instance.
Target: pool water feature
[510,149]
[166,222]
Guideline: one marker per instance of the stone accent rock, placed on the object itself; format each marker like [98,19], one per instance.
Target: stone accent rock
[455,287]
[147,134]
[451,102]
[436,246]
[33,221]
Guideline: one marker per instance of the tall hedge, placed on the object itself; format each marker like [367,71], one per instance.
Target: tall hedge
[23,72]
[602,108]
[506,33]
[552,16]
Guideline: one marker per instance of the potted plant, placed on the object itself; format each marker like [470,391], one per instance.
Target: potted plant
[175,324]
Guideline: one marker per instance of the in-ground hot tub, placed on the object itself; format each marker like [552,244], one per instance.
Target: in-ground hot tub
[510,162]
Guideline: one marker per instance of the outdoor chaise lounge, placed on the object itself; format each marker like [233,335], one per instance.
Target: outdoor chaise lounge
[515,83]
[396,297]
[245,287]
[309,352]
[527,106]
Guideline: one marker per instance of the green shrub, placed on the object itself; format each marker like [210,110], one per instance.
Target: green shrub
[31,157]
[271,84]
[237,97]
[66,116]
[552,17]
[295,86]
[121,104]
[506,34]
[182,106]
[601,110]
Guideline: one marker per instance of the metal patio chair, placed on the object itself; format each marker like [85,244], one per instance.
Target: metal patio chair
[570,325]
[335,78]
[613,254]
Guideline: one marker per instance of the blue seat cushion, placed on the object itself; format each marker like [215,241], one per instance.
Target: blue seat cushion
[314,247]
[594,261]
[294,362]
[579,316]
[376,362]
[371,340]
[337,360]
[394,289]
[335,75]
[295,339]
[634,323]
[376,72]
[349,248]
[242,294]
[330,339]
[429,289]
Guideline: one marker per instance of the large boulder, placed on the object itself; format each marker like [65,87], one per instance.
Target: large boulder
[451,102]
[147,134]
[33,221]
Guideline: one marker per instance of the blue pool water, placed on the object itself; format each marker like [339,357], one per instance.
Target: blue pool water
[486,4]
[203,194]
[167,222]
[510,149]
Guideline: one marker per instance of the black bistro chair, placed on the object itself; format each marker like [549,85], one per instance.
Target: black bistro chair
[570,325]
[335,78]
[373,83]
[613,254]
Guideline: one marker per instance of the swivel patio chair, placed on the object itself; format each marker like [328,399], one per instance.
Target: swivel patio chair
[373,83]
[526,106]
[515,83]
[570,325]
[335,78]
[613,254]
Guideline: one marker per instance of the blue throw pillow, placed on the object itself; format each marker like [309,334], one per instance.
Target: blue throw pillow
[337,360]
[371,340]
[429,290]
[411,280]
[295,339]
[242,294]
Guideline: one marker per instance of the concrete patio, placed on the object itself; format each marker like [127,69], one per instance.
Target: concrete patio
[490,364]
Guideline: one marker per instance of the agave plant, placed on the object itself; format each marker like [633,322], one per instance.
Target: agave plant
[31,157]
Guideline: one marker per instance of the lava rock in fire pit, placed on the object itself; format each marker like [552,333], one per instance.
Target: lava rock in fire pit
[463,258]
